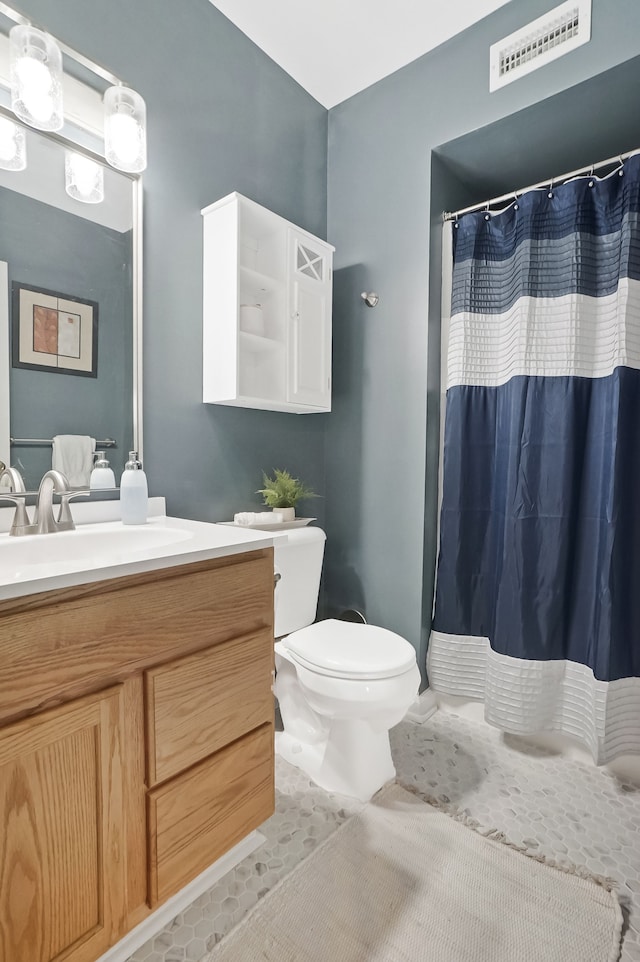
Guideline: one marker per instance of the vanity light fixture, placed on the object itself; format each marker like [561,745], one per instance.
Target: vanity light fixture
[83,178]
[13,147]
[36,77]
[125,129]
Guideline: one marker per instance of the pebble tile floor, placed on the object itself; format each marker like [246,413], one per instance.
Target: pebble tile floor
[566,809]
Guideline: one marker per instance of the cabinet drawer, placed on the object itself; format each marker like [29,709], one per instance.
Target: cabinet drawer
[197,817]
[49,655]
[200,703]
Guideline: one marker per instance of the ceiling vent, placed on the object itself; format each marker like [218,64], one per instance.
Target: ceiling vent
[539,42]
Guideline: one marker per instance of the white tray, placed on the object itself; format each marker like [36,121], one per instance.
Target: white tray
[273,525]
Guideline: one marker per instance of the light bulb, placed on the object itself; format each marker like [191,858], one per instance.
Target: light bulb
[36,84]
[84,179]
[36,78]
[13,154]
[125,136]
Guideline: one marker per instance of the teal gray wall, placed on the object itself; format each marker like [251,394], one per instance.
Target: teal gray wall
[222,117]
[386,194]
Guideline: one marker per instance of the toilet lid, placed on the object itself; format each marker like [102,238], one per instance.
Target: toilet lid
[349,650]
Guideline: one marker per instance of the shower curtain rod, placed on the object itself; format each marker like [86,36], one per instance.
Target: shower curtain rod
[513,195]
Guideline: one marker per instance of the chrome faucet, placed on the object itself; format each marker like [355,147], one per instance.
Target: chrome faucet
[17,495]
[14,477]
[43,520]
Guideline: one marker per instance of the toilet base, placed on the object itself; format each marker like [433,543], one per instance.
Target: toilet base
[354,760]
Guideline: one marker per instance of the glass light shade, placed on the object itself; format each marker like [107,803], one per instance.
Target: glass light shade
[125,129]
[83,178]
[13,147]
[36,78]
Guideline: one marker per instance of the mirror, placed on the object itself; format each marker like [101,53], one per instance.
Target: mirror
[70,320]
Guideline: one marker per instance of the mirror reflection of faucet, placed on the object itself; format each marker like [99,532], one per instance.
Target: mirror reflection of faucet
[44,521]
[16,493]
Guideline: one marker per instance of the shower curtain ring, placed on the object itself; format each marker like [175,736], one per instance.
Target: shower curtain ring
[621,171]
[516,205]
[550,194]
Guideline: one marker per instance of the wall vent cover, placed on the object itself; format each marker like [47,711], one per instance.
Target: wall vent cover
[551,36]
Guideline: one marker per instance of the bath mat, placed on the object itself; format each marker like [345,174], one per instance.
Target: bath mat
[403,882]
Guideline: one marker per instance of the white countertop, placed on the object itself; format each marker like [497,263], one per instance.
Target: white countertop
[102,547]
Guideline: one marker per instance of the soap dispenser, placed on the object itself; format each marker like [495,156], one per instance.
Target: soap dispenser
[102,475]
[133,492]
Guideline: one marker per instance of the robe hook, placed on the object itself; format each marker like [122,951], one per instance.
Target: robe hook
[370,298]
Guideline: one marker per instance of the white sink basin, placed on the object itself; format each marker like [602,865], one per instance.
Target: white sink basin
[32,553]
[93,552]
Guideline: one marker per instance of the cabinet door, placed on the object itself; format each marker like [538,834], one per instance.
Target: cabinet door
[310,332]
[62,878]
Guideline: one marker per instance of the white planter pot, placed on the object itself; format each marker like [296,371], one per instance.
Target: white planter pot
[288,514]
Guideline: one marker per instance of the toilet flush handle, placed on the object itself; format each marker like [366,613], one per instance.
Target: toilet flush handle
[276,578]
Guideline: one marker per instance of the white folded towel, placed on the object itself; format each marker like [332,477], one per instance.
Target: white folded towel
[257,517]
[73,455]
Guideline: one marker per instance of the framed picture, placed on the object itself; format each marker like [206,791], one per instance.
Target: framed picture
[54,332]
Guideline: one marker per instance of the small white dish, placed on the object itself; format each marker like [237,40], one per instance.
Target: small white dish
[273,525]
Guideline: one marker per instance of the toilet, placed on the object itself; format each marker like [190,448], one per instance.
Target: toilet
[340,685]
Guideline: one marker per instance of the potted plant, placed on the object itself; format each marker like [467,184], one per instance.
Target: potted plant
[282,493]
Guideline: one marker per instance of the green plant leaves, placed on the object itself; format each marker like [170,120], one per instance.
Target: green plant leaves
[283,491]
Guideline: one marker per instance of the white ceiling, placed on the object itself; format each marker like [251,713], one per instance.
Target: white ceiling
[335,48]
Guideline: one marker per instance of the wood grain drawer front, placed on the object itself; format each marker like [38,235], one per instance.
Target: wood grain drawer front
[62,852]
[200,703]
[197,817]
[48,655]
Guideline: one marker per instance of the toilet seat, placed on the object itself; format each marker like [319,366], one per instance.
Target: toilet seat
[343,649]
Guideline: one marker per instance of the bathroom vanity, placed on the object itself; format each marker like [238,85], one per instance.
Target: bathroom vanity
[136,740]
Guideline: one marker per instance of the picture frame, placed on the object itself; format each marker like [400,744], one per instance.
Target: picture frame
[53,332]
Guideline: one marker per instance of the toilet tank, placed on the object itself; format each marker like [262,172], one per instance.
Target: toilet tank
[299,563]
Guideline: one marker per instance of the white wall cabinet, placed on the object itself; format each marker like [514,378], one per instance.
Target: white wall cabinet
[266,310]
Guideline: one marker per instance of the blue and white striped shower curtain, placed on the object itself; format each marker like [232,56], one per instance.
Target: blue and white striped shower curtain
[537,608]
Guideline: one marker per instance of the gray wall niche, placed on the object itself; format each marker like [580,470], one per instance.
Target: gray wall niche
[221,117]
[554,136]
[50,248]
[387,190]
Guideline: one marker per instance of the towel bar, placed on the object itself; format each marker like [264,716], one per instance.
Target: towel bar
[106,443]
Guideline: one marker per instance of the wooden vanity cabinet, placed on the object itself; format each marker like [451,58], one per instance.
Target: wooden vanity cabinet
[136,747]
